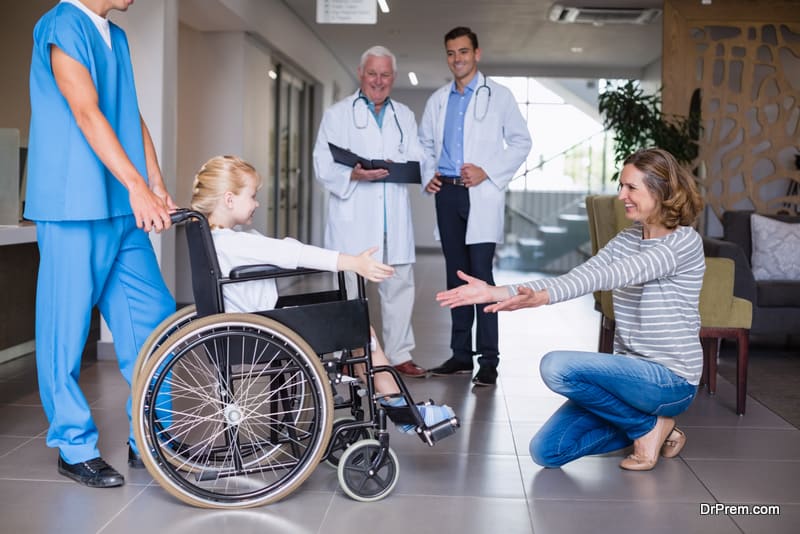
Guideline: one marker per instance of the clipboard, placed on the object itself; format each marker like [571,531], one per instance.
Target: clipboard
[399,173]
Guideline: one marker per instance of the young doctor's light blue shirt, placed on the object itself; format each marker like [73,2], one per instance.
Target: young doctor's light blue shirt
[66,180]
[452,158]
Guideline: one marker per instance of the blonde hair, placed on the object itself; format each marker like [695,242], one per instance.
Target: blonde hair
[217,176]
[672,185]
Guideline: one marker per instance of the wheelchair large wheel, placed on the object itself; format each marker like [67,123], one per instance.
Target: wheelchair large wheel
[160,334]
[232,411]
[359,475]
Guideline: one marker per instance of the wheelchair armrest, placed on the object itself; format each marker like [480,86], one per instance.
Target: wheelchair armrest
[246,272]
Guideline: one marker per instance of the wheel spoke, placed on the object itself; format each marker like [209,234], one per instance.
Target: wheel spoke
[236,415]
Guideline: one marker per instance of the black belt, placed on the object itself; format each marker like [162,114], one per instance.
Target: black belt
[452,180]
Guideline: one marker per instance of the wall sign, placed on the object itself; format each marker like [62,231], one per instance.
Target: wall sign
[347,12]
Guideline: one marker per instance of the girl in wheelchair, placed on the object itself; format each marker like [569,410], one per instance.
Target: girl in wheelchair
[225,192]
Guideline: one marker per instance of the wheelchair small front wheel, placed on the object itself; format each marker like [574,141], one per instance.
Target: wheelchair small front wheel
[360,478]
[342,440]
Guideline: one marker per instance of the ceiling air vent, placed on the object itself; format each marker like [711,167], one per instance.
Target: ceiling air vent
[602,15]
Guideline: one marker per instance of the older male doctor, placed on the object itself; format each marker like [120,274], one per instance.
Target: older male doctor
[474,139]
[364,211]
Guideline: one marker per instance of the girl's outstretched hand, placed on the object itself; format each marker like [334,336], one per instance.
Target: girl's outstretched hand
[475,291]
[370,268]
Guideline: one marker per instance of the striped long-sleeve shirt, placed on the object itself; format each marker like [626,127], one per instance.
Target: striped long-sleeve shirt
[656,292]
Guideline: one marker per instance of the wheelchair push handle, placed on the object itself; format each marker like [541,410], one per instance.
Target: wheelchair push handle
[181,215]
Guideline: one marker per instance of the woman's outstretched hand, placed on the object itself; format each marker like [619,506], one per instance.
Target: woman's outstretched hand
[525,298]
[475,291]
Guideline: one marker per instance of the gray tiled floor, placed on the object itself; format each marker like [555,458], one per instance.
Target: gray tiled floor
[480,480]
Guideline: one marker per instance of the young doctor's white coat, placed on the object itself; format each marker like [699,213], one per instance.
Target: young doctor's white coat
[356,208]
[498,141]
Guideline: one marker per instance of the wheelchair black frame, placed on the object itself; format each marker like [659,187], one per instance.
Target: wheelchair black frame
[298,312]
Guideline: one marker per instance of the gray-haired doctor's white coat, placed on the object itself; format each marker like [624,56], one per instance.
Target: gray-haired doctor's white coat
[361,213]
[357,210]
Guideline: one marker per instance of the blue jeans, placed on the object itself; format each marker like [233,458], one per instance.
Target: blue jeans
[612,400]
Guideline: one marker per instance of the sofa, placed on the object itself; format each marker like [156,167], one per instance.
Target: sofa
[776,301]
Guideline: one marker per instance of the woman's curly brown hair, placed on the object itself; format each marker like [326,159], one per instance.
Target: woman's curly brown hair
[674,188]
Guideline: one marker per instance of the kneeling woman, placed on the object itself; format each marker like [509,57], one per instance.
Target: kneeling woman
[655,269]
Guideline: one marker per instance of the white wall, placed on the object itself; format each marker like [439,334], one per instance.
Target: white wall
[283,32]
[16,41]
[651,77]
[210,103]
[225,95]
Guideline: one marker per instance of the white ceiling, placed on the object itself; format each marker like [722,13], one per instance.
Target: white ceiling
[516,37]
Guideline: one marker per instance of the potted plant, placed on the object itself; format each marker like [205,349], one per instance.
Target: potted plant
[637,122]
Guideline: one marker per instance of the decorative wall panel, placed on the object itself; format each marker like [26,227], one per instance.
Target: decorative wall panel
[748,73]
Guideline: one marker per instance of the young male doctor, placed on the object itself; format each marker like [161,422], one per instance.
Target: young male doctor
[474,139]
[363,213]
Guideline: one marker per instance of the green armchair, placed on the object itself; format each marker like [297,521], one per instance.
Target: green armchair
[722,315]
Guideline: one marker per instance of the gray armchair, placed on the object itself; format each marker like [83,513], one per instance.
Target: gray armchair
[776,303]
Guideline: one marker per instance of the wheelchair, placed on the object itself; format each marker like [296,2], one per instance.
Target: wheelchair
[235,410]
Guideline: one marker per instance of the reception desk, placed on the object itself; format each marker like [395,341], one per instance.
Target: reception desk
[19,263]
[17,234]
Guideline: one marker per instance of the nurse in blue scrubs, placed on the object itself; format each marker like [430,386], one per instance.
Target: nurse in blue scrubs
[95,190]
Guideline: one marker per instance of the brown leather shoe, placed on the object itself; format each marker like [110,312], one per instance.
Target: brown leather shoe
[411,370]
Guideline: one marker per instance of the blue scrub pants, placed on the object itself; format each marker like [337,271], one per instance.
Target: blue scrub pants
[107,263]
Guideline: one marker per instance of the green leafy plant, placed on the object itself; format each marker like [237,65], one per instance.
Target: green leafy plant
[637,122]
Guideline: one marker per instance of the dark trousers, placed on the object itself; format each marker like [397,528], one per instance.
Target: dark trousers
[452,212]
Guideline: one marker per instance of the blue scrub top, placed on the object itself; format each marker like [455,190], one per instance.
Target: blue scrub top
[66,180]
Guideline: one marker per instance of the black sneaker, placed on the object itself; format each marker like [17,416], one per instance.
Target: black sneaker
[95,473]
[134,460]
[452,367]
[487,376]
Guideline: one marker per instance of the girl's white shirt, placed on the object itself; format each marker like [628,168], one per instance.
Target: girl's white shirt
[236,248]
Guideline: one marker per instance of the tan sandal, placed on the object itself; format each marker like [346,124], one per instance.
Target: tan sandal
[634,462]
[639,462]
[674,443]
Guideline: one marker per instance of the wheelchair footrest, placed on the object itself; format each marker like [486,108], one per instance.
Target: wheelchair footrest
[404,415]
[441,430]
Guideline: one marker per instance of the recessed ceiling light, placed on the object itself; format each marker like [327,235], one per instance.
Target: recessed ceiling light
[412,77]
[383,5]
[576,49]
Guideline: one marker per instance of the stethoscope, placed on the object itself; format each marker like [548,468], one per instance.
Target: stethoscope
[365,115]
[482,95]
[487,98]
